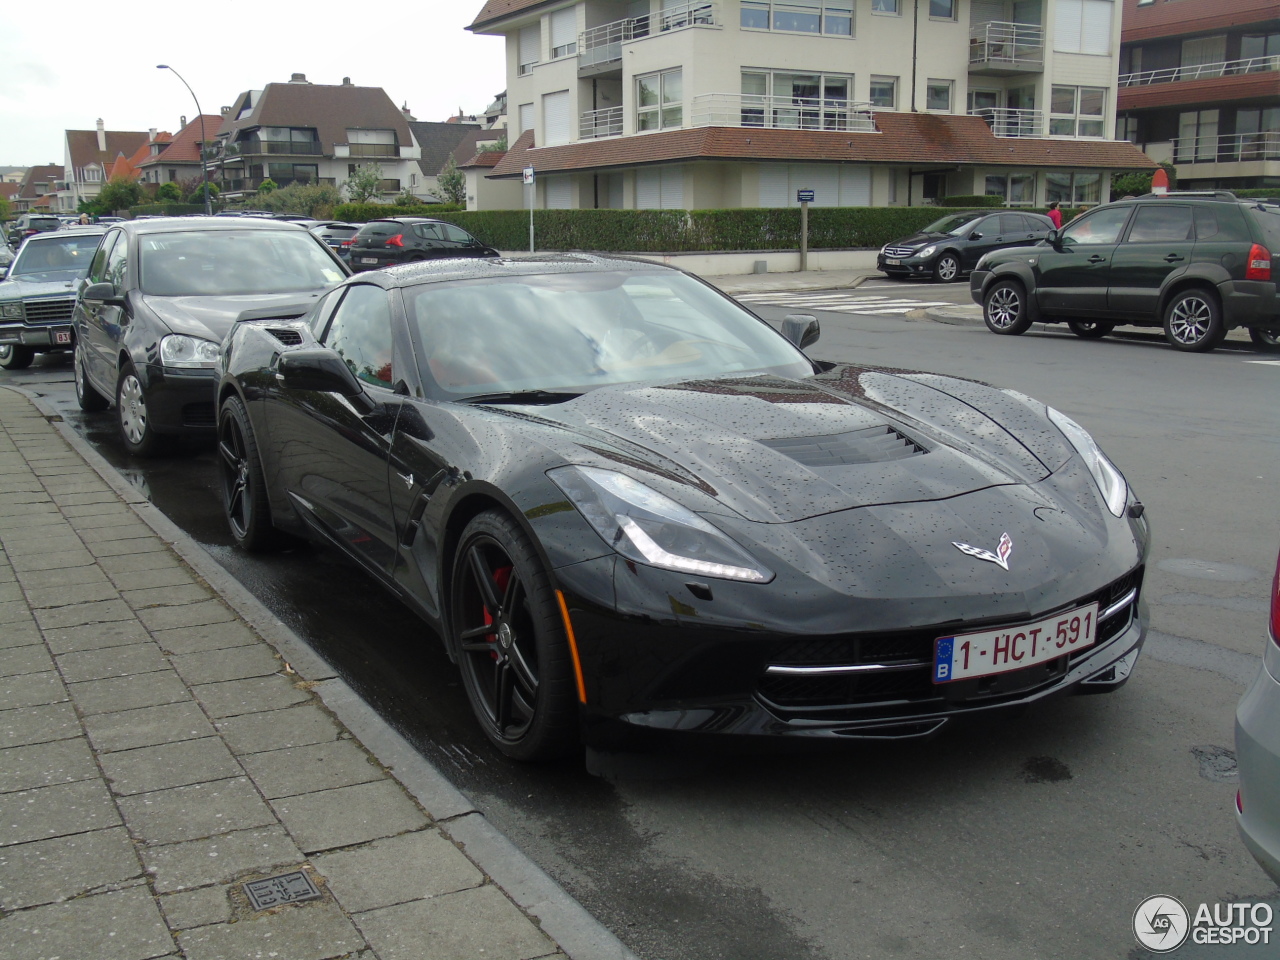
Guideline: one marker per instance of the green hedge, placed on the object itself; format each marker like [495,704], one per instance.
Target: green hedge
[166,209]
[364,212]
[974,200]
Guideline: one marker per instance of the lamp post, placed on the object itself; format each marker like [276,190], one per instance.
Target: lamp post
[204,169]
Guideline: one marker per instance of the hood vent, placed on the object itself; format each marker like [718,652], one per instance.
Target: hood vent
[869,445]
[290,338]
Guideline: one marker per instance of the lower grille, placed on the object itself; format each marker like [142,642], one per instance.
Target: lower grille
[49,310]
[899,252]
[198,415]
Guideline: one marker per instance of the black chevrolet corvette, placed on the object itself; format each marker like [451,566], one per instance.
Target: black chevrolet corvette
[627,504]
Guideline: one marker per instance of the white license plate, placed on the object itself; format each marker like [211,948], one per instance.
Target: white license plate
[368,260]
[62,336]
[890,261]
[1000,651]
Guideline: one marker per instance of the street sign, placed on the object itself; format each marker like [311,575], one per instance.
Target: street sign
[804,196]
[528,176]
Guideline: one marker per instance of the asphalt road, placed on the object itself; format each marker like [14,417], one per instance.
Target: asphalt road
[1035,836]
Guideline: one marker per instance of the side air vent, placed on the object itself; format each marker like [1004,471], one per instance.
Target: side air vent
[869,445]
[290,338]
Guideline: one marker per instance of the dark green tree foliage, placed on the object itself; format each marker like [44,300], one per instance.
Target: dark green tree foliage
[169,193]
[119,194]
[451,184]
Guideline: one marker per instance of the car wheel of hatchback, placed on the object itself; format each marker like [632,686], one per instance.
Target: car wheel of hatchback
[1004,308]
[1090,329]
[1193,321]
[947,269]
[139,438]
[89,399]
[16,358]
[1265,339]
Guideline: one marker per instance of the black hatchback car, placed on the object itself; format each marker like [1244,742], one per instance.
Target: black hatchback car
[1197,264]
[948,248]
[385,243]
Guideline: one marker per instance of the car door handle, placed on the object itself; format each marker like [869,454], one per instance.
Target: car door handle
[1172,258]
[1097,259]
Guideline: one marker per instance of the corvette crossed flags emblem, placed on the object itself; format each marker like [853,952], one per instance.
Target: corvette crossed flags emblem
[1000,557]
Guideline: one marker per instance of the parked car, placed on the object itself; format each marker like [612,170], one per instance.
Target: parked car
[158,300]
[1197,264]
[1258,751]
[628,505]
[337,235]
[6,257]
[37,296]
[32,223]
[108,219]
[385,243]
[950,247]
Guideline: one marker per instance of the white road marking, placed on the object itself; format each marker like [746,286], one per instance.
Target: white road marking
[843,302]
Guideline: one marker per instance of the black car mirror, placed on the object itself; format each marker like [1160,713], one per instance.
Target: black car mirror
[1053,237]
[318,369]
[106,292]
[801,329]
[975,235]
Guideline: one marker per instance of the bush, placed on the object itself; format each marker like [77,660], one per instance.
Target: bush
[168,193]
[166,210]
[364,212]
[306,199]
[973,200]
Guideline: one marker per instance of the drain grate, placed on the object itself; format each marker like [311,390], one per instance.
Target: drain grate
[287,888]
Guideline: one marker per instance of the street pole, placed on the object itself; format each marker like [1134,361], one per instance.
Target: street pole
[804,198]
[204,169]
[528,174]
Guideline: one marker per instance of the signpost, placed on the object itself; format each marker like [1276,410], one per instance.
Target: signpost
[804,198]
[533,194]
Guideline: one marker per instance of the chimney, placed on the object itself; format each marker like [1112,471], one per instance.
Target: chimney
[102,137]
[183,122]
[225,111]
[298,78]
[346,81]
[151,135]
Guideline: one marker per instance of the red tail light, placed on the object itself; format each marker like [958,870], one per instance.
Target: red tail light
[346,243]
[1259,267]
[1275,606]
[398,241]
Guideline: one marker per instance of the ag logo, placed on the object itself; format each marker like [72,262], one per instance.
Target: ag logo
[1161,924]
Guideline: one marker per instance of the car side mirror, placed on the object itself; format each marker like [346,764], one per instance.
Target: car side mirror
[801,329]
[1053,237]
[975,235]
[318,369]
[106,292]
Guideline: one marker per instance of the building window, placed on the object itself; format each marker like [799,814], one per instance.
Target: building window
[1073,189]
[937,95]
[942,9]
[526,117]
[1076,111]
[529,44]
[556,126]
[1202,51]
[796,101]
[833,18]
[660,101]
[660,188]
[1197,136]
[564,33]
[885,6]
[884,92]
[1083,26]
[93,174]
[1256,45]
[1127,129]
[1018,190]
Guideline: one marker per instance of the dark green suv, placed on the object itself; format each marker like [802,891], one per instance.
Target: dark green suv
[1197,264]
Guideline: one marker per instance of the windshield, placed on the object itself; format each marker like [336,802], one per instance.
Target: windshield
[221,263]
[954,224]
[53,258]
[575,331]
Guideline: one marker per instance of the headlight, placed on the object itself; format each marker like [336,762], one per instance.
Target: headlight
[11,310]
[1109,479]
[645,526]
[178,350]
[928,251]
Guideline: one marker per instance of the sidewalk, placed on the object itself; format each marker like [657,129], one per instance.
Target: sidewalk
[180,776]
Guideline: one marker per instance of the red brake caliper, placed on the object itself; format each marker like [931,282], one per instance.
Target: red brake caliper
[501,577]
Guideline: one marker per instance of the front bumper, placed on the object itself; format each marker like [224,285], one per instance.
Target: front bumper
[905,266]
[54,337]
[1258,757]
[181,401]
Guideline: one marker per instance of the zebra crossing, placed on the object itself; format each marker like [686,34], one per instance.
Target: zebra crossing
[842,302]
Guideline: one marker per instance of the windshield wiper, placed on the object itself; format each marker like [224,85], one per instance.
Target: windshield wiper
[523,396]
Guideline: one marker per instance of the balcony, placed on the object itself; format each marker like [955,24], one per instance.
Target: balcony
[595,124]
[259,148]
[1200,71]
[1000,48]
[1229,148]
[388,151]
[600,48]
[785,113]
[1005,122]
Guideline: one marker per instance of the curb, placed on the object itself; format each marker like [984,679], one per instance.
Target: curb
[533,890]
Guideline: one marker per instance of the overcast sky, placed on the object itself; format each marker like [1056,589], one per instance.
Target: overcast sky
[64,66]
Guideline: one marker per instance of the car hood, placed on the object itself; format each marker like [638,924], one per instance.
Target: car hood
[920,239]
[777,450]
[21,289]
[210,318]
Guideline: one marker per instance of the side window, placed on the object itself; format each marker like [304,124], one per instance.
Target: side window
[458,235]
[1012,223]
[324,310]
[1161,223]
[429,231]
[1206,224]
[1101,226]
[118,262]
[361,334]
[98,269]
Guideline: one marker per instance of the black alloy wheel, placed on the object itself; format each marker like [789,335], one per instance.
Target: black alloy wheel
[1090,329]
[509,638]
[1265,339]
[136,432]
[1004,308]
[14,357]
[89,399]
[947,268]
[1193,321]
[244,489]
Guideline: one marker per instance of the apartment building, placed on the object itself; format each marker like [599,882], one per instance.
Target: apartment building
[1199,86]
[739,103]
[89,156]
[176,158]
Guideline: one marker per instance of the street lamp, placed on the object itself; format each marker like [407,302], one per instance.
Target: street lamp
[204,169]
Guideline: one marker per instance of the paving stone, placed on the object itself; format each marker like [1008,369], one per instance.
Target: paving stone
[57,811]
[145,769]
[122,661]
[192,812]
[349,815]
[187,615]
[155,560]
[99,510]
[95,636]
[122,925]
[321,766]
[310,931]
[150,579]
[182,593]
[78,614]
[14,611]
[62,596]
[33,658]
[129,693]
[131,547]
[458,926]
[218,666]
[277,729]
[196,908]
[236,697]
[39,724]
[51,579]
[19,635]
[44,764]
[10,590]
[397,870]
[53,561]
[210,636]
[119,517]
[198,863]
[80,484]
[47,870]
[78,499]
[124,531]
[31,689]
[148,726]
[40,542]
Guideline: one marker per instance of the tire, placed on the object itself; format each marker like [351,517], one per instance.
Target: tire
[244,489]
[89,399]
[1193,321]
[505,627]
[1004,308]
[136,432]
[946,269]
[1090,329]
[1265,339]
[16,357]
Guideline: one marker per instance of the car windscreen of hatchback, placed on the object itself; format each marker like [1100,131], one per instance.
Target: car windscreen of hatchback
[65,256]
[225,262]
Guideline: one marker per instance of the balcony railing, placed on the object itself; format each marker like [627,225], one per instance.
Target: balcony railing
[787,113]
[373,150]
[257,148]
[1229,148]
[1200,71]
[603,44]
[600,123]
[1015,46]
[1006,122]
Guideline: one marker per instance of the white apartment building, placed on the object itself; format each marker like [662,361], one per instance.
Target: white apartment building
[700,104]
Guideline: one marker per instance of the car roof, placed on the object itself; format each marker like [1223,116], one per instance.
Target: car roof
[482,268]
[203,224]
[89,230]
[407,220]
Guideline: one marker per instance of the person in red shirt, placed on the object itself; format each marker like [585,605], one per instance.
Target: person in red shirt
[1055,215]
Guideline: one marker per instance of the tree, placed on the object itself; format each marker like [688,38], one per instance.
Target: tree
[307,199]
[1136,184]
[169,193]
[5,212]
[365,184]
[120,193]
[451,184]
[268,185]
[197,195]
[406,199]
[494,146]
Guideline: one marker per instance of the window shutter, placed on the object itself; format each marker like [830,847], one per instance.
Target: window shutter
[773,185]
[564,28]
[985,11]
[530,40]
[1095,26]
[555,118]
[1066,26]
[526,117]
[672,188]
[559,193]
[648,189]
[855,186]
